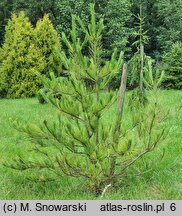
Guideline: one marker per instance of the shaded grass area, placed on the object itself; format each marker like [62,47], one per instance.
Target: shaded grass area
[150,178]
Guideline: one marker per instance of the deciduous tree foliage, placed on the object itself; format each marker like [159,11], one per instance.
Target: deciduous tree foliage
[116,33]
[66,9]
[5,14]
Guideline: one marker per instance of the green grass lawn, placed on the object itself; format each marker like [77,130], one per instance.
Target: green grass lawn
[161,180]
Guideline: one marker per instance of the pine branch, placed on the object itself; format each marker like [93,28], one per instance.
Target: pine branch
[132,162]
[71,115]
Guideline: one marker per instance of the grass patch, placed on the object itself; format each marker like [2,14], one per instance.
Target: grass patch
[145,180]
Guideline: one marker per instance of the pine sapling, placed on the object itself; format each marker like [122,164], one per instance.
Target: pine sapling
[81,142]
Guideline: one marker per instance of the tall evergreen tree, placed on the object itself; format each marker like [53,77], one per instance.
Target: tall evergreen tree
[47,41]
[138,61]
[20,59]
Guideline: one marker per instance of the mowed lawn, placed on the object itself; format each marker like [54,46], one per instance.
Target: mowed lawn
[149,178]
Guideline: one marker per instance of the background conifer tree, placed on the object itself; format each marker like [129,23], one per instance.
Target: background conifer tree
[47,41]
[141,40]
[138,61]
[173,67]
[20,59]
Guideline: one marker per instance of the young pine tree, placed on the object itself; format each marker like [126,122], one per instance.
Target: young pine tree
[20,59]
[82,143]
[153,79]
